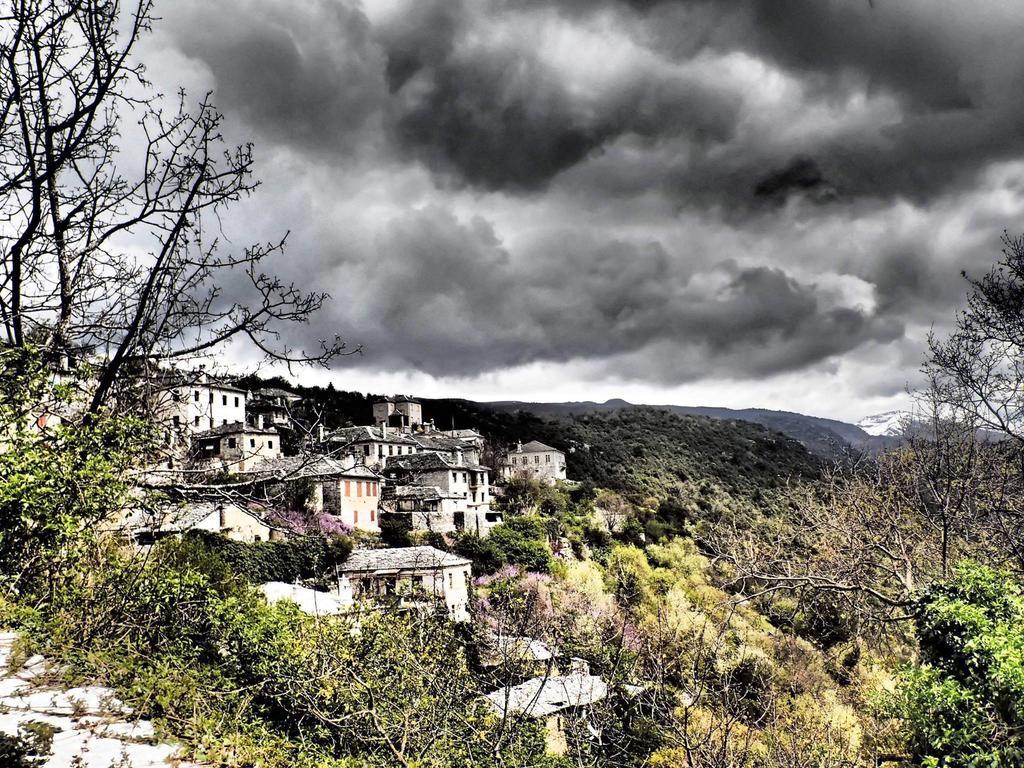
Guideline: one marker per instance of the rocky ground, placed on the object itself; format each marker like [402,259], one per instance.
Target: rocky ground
[90,726]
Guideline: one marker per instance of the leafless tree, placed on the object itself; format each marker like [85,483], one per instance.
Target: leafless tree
[97,256]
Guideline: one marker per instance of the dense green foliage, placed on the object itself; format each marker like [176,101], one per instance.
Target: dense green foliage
[301,558]
[963,704]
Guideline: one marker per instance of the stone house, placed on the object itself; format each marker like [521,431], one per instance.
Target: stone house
[272,407]
[557,700]
[372,446]
[409,577]
[235,521]
[235,447]
[351,493]
[535,461]
[465,484]
[398,411]
[427,508]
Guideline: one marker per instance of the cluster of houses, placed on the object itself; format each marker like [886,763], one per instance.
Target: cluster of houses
[400,470]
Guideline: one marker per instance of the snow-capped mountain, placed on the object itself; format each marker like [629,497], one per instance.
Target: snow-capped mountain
[888,424]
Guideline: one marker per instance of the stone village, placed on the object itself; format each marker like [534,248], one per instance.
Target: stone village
[400,471]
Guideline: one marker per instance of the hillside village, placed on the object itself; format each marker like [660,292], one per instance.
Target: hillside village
[253,466]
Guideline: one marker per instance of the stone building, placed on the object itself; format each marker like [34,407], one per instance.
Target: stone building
[409,577]
[235,447]
[236,521]
[557,700]
[398,411]
[372,446]
[536,461]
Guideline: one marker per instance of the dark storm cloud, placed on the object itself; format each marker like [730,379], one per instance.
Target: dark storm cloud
[449,298]
[666,190]
[312,79]
[801,175]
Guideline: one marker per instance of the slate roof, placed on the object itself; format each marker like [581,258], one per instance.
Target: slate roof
[310,601]
[386,561]
[429,462]
[353,435]
[535,446]
[276,392]
[177,518]
[412,492]
[541,696]
[294,467]
[235,428]
[439,442]
[519,648]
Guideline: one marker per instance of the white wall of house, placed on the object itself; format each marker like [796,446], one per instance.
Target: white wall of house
[547,466]
[239,451]
[354,500]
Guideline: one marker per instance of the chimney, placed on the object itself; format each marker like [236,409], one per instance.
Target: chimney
[384,430]
[259,421]
[319,433]
[519,447]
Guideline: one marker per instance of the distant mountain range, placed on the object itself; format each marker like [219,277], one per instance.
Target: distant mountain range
[825,437]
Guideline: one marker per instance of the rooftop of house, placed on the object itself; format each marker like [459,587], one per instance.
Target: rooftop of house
[430,462]
[386,561]
[504,647]
[535,446]
[177,518]
[269,392]
[412,493]
[297,467]
[543,696]
[437,441]
[309,601]
[235,428]
[354,435]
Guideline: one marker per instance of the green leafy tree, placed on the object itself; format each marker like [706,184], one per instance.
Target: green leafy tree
[963,704]
[61,476]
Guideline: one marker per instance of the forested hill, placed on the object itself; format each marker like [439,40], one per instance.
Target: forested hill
[641,451]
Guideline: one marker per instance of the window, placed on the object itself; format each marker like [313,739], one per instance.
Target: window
[211,398]
[197,421]
[236,402]
[197,395]
[348,487]
[270,443]
[232,442]
[455,477]
[373,512]
[375,488]
[380,451]
[223,399]
[359,488]
[177,421]
[252,442]
[355,517]
[391,450]
[536,459]
[366,450]
[464,478]
[176,396]
[451,580]
[547,458]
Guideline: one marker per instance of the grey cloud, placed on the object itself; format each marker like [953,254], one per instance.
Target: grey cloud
[310,78]
[630,197]
[449,298]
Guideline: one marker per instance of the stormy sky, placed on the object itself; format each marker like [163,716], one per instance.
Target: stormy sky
[706,202]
